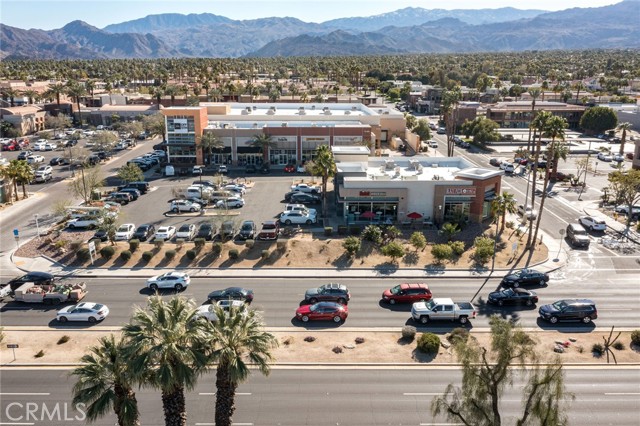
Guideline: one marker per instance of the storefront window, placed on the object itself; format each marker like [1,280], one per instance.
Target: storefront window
[381,211]
[456,209]
[282,157]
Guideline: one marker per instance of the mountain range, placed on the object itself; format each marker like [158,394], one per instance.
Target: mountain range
[409,30]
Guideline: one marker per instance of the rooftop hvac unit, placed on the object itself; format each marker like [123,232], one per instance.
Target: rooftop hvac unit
[255,125]
[255,107]
[413,164]
[383,168]
[436,177]
[397,171]
[248,109]
[389,164]
[354,108]
[284,124]
[270,112]
[434,165]
[347,112]
[325,108]
[301,108]
[327,112]
[313,107]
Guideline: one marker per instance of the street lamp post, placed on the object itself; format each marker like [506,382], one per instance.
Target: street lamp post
[586,172]
[37,225]
[595,170]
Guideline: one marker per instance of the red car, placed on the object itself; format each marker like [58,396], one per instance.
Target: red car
[290,168]
[407,293]
[11,146]
[323,311]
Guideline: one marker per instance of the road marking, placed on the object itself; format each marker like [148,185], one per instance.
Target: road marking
[622,393]
[440,424]
[213,393]
[24,394]
[17,424]
[421,394]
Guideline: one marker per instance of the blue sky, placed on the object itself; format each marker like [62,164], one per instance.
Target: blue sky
[50,14]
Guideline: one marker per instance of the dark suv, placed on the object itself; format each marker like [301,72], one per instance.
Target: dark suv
[525,277]
[144,232]
[569,310]
[329,292]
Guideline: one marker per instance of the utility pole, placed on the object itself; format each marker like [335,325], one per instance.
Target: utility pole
[586,172]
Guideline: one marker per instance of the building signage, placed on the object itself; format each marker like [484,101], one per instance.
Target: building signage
[315,139]
[372,194]
[463,190]
[180,125]
[351,139]
[286,138]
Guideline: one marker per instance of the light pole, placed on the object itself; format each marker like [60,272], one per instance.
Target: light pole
[37,225]
[595,170]
[586,172]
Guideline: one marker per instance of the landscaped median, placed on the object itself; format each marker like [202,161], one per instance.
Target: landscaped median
[39,346]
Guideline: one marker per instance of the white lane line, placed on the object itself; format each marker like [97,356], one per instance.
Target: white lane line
[622,393]
[16,424]
[421,394]
[440,424]
[207,393]
[25,394]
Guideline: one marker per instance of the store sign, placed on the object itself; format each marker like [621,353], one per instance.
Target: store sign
[372,194]
[464,190]
[342,139]
[315,139]
[286,138]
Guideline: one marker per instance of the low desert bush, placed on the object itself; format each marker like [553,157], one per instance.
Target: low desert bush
[198,243]
[264,254]
[337,349]
[635,337]
[125,255]
[409,332]
[64,339]
[359,340]
[147,256]
[457,247]
[74,246]
[328,230]
[107,252]
[170,254]
[40,354]
[216,249]
[429,343]
[309,339]
[191,254]
[158,244]
[372,233]
[458,334]
[351,245]
[250,243]
[442,252]
[618,346]
[83,254]
[597,349]
[234,254]
[134,245]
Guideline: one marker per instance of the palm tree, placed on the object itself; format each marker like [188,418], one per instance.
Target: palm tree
[209,142]
[534,93]
[578,87]
[105,382]
[30,94]
[544,86]
[22,174]
[323,165]
[539,123]
[76,91]
[167,352]
[55,90]
[10,94]
[625,126]
[503,204]
[172,91]
[264,142]
[237,337]
[560,151]
[449,230]
[158,93]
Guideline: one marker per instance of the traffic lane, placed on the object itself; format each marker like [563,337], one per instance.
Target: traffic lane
[356,397]
[278,300]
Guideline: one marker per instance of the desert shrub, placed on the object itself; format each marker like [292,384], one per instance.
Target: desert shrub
[216,249]
[281,245]
[484,249]
[393,250]
[233,254]
[74,246]
[359,340]
[264,254]
[351,245]
[458,334]
[618,346]
[418,240]
[442,252]
[134,245]
[337,349]
[457,247]
[60,244]
[635,337]
[580,349]
[309,339]
[107,252]
[287,340]
[191,254]
[125,255]
[597,349]
[179,243]
[342,230]
[198,243]
[158,244]
[355,230]
[429,343]
[83,254]
[147,255]
[328,230]
[40,354]
[372,233]
[170,254]
[409,332]
[64,339]
[510,224]
[250,243]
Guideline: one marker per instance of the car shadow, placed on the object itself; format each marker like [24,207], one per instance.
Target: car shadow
[566,326]
[438,327]
[318,325]
[510,312]
[398,307]
[74,325]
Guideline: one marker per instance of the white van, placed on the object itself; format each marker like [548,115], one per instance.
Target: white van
[198,191]
[169,170]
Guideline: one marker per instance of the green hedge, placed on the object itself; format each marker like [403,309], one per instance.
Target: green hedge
[133,245]
[429,343]
[147,256]
[170,254]
[125,255]
[83,254]
[107,252]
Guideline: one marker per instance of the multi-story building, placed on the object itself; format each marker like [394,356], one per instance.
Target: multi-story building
[518,115]
[25,119]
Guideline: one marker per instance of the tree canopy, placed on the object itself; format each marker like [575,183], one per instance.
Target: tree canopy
[598,119]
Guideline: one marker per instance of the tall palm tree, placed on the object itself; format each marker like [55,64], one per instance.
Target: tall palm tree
[172,91]
[76,91]
[539,123]
[503,204]
[157,92]
[534,93]
[265,143]
[55,90]
[578,87]
[209,142]
[544,86]
[237,337]
[10,94]
[323,165]
[23,174]
[560,151]
[105,382]
[625,126]
[167,353]
[30,94]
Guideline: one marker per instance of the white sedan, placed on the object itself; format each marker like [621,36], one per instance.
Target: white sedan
[35,159]
[298,217]
[605,157]
[592,224]
[303,187]
[186,231]
[208,312]
[231,202]
[175,280]
[125,232]
[165,233]
[235,188]
[84,311]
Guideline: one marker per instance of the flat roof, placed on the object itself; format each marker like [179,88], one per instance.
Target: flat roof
[231,124]
[420,169]
[350,149]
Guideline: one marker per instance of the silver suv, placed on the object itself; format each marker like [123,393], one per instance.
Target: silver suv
[184,206]
[577,235]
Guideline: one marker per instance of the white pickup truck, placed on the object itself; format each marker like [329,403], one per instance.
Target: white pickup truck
[84,222]
[442,309]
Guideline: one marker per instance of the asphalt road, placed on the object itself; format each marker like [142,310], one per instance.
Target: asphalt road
[318,397]
[278,299]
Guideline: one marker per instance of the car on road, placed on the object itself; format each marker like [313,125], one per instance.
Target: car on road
[332,292]
[577,235]
[186,231]
[301,169]
[35,159]
[122,198]
[270,230]
[35,277]
[174,279]
[101,235]
[125,232]
[135,194]
[298,217]
[592,224]
[513,296]
[527,212]
[303,187]
[302,198]
[496,161]
[322,311]
[618,158]
[407,293]
[441,130]
[603,156]
[635,210]
[165,233]
[247,230]
[569,310]
[290,168]
[144,232]
[230,203]
[51,146]
[525,277]
[178,206]
[85,311]
[208,312]
[231,293]
[237,189]
[206,230]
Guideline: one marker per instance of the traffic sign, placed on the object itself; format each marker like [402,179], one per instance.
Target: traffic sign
[13,346]
[16,233]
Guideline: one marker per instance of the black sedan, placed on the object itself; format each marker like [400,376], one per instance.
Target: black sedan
[525,277]
[32,277]
[100,235]
[513,296]
[233,293]
[144,232]
[304,198]
[206,231]
[57,161]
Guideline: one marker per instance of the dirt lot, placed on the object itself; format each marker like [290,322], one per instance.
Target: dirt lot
[378,347]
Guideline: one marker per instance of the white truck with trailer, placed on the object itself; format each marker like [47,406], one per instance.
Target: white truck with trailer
[50,294]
